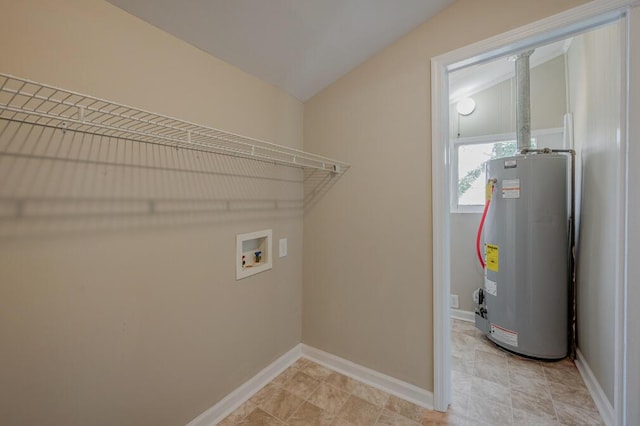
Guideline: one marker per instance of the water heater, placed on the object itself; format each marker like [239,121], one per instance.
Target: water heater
[523,305]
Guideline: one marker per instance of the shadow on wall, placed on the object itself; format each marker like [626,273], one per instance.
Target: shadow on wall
[316,184]
[55,181]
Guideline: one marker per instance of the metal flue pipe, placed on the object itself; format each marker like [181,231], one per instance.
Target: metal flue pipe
[523,101]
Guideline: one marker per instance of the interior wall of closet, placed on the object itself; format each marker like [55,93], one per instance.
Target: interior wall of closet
[118,289]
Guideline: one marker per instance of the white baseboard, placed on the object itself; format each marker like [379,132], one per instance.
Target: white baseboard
[236,398]
[602,402]
[463,315]
[373,378]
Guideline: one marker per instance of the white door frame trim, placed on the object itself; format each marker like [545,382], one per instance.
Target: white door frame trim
[562,25]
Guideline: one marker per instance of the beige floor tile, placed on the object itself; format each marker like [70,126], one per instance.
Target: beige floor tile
[462,365]
[577,396]
[460,344]
[490,392]
[370,394]
[301,385]
[531,404]
[281,404]
[228,422]
[301,363]
[571,415]
[328,398]
[484,344]
[238,415]
[565,363]
[357,412]
[263,394]
[529,385]
[316,371]
[405,408]
[491,359]
[566,374]
[489,387]
[285,376]
[526,392]
[525,367]
[454,416]
[490,413]
[461,382]
[342,382]
[524,418]
[460,400]
[434,417]
[310,415]
[391,418]
[259,417]
[463,327]
[491,372]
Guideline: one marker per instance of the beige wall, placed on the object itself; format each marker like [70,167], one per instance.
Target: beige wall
[594,86]
[367,292]
[111,314]
[466,273]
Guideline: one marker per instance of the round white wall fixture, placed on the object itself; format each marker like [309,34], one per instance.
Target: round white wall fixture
[466,106]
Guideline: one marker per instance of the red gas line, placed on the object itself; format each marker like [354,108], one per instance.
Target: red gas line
[480,228]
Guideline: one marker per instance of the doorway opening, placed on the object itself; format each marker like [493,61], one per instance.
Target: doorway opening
[565,116]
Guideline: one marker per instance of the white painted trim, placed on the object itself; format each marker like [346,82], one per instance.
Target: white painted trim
[562,25]
[620,303]
[553,28]
[567,45]
[504,136]
[461,315]
[631,369]
[441,191]
[236,398]
[388,384]
[602,402]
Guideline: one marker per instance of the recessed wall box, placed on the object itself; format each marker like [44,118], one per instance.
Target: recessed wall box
[253,253]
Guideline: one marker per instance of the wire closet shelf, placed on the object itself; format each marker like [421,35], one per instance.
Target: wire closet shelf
[25,101]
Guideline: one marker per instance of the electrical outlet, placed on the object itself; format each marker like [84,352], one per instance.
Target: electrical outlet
[282,247]
[454,301]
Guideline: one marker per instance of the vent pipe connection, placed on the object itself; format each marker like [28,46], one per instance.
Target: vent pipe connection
[523,101]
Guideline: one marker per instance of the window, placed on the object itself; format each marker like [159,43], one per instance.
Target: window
[469,159]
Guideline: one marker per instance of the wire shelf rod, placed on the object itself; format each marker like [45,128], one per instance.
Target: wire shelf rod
[49,104]
[145,133]
[171,142]
[168,141]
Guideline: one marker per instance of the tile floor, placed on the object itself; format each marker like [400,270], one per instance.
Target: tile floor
[494,387]
[489,387]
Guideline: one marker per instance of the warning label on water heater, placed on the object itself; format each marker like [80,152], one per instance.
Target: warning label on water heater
[490,287]
[504,335]
[492,257]
[511,188]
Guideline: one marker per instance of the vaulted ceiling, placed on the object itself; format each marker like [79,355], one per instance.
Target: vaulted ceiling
[300,46]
